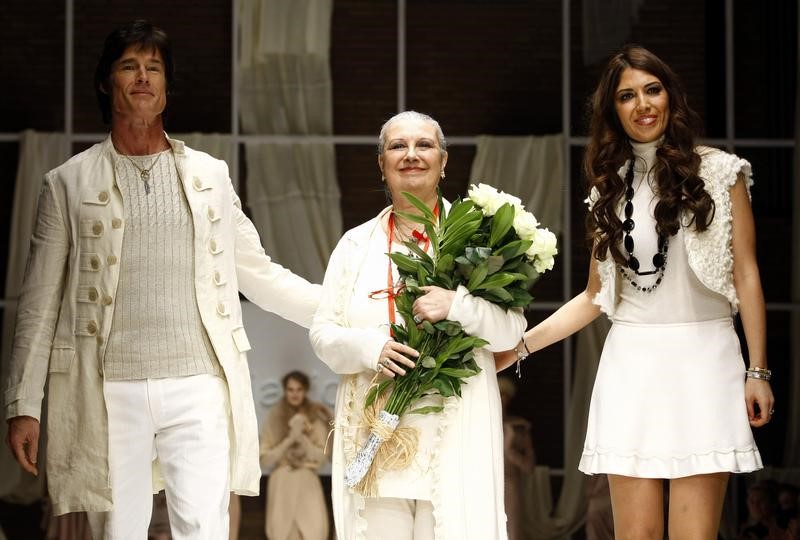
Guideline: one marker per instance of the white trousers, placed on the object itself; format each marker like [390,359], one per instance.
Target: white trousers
[398,519]
[183,421]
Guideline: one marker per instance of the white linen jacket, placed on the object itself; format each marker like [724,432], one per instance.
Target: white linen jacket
[67,303]
[467,465]
[710,252]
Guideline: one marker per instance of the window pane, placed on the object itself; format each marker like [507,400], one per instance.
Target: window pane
[696,56]
[363,65]
[32,45]
[486,67]
[765,69]
[772,199]
[201,48]
[9,156]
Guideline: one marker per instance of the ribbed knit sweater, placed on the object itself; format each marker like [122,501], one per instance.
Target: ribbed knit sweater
[156,330]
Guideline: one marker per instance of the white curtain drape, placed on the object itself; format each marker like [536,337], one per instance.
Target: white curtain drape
[214,144]
[285,89]
[294,199]
[531,168]
[38,153]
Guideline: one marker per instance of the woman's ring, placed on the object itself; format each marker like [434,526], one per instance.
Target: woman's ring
[417,319]
[771,412]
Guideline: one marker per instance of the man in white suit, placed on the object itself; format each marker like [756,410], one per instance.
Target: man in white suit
[130,308]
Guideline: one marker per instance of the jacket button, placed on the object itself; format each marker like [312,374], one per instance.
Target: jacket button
[111,259]
[102,196]
[217,278]
[91,327]
[99,340]
[107,300]
[197,183]
[97,228]
[213,245]
[116,223]
[221,308]
[93,295]
[95,263]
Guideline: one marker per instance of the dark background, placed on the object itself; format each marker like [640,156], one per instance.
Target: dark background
[479,67]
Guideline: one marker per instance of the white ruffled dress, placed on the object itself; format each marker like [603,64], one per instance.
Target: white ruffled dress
[668,400]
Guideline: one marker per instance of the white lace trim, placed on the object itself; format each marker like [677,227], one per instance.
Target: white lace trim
[446,417]
[611,461]
[710,253]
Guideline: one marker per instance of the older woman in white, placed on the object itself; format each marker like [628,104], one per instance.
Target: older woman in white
[454,487]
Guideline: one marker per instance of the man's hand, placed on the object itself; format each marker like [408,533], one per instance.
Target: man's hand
[23,439]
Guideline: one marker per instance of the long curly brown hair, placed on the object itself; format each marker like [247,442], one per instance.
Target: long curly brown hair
[676,170]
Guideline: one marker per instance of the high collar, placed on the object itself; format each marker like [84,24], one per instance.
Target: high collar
[645,154]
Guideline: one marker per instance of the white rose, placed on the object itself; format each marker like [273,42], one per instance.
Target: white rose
[543,250]
[487,198]
[483,195]
[508,198]
[525,224]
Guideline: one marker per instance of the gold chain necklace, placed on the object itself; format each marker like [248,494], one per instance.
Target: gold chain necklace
[145,173]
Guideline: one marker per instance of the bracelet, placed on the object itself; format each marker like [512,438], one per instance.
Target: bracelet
[759,373]
[521,355]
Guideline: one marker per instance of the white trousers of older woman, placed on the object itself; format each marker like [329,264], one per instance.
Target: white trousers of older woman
[183,421]
[398,519]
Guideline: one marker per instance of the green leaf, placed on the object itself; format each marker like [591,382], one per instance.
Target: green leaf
[498,296]
[434,239]
[477,255]
[445,263]
[457,211]
[422,274]
[513,249]
[414,248]
[495,263]
[427,410]
[478,275]
[375,391]
[443,280]
[404,262]
[451,328]
[421,206]
[428,327]
[443,386]
[521,297]
[399,333]
[469,362]
[498,280]
[429,362]
[459,373]
[501,223]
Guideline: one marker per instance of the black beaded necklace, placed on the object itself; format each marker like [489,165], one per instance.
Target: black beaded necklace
[659,259]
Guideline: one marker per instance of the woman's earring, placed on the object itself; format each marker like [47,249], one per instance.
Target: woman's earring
[383,179]
[442,175]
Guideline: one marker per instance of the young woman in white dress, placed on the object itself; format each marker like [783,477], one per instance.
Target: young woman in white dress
[673,261]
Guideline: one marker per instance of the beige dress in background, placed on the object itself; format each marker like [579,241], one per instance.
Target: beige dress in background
[295,501]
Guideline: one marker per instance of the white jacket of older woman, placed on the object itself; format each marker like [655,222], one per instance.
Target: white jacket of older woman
[467,461]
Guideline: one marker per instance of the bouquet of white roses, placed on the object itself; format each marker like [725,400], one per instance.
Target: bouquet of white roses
[491,245]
